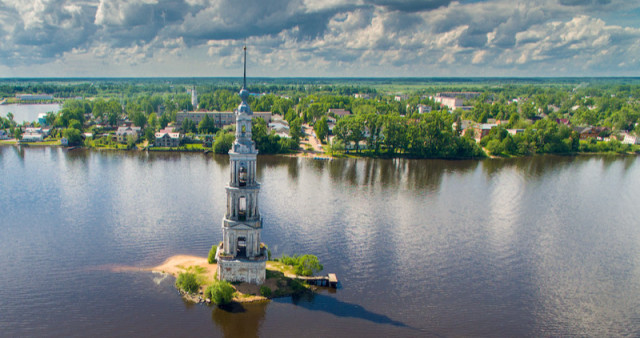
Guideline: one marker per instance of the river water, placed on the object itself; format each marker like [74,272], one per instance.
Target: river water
[28,112]
[541,246]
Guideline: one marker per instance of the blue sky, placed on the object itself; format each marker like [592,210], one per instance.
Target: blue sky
[328,38]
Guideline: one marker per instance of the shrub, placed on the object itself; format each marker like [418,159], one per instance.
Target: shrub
[305,265]
[187,282]
[289,260]
[212,254]
[265,291]
[308,265]
[220,292]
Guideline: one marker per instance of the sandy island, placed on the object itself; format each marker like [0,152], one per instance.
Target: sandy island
[277,278]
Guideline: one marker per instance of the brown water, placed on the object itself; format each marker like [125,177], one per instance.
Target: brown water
[542,246]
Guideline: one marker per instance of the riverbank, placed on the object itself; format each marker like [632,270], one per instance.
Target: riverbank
[311,154]
[280,279]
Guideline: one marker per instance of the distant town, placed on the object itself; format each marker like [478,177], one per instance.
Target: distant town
[429,119]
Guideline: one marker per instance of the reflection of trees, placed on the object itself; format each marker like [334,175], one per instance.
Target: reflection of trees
[628,161]
[409,173]
[608,160]
[427,174]
[77,156]
[534,166]
[272,161]
[221,160]
[19,151]
[292,169]
[239,320]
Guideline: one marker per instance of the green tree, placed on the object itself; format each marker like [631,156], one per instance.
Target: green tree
[112,118]
[138,118]
[394,133]
[164,120]
[131,141]
[73,135]
[307,265]
[50,118]
[75,124]
[150,135]
[99,108]
[220,292]
[265,291]
[223,142]
[295,129]
[152,121]
[188,126]
[321,127]
[212,254]
[207,125]
[187,282]
[374,124]
[17,133]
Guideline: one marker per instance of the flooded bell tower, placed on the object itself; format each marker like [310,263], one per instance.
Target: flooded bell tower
[242,257]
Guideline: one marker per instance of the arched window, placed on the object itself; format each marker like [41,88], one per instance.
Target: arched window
[242,208]
[241,247]
[242,175]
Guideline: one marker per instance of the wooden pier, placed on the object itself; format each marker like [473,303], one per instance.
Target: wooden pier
[330,280]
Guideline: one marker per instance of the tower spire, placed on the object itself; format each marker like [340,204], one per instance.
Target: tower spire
[244,81]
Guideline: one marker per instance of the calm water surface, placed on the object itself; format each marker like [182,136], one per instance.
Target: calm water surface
[542,246]
[28,112]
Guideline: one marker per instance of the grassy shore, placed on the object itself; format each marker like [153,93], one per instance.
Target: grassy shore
[279,278]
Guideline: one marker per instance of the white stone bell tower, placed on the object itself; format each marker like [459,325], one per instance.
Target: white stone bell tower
[194,98]
[242,256]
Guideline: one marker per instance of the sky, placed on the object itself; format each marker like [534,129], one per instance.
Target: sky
[319,38]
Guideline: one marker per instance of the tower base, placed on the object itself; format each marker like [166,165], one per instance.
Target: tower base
[242,270]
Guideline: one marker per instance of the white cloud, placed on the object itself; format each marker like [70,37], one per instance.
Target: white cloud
[478,56]
[322,38]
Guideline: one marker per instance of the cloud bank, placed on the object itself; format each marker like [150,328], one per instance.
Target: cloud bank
[319,38]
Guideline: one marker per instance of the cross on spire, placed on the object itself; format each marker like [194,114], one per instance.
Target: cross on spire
[244,82]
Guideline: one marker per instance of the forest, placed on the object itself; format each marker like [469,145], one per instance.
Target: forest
[384,120]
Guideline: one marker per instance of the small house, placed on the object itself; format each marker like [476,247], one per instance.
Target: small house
[123,133]
[170,140]
[339,112]
[630,139]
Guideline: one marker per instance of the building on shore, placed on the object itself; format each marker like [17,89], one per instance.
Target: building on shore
[167,138]
[32,134]
[280,126]
[630,139]
[220,118]
[124,132]
[242,257]
[483,129]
